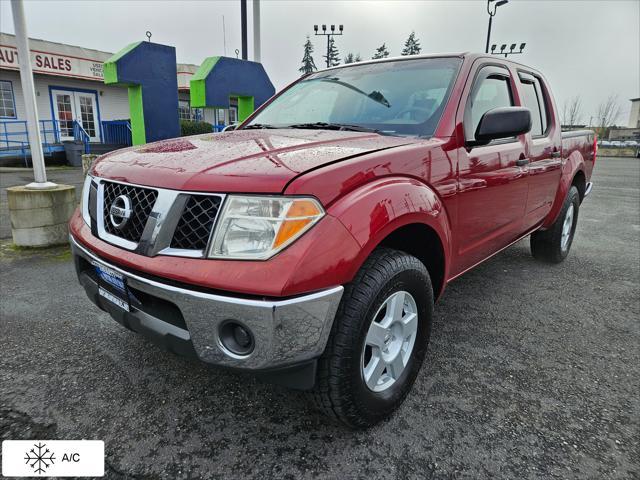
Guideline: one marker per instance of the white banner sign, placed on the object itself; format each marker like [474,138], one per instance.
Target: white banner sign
[53,458]
[54,64]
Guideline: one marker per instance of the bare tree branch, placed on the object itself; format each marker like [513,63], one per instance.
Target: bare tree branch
[607,114]
[572,111]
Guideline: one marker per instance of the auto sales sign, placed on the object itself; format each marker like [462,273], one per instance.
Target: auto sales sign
[54,59]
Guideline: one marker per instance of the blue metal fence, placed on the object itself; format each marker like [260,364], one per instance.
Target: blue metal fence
[116,132]
[15,141]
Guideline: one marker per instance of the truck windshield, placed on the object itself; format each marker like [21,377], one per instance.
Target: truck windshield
[404,97]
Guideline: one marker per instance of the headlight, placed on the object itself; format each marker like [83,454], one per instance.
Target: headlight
[84,200]
[257,227]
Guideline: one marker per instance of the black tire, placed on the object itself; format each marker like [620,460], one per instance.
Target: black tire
[546,245]
[341,391]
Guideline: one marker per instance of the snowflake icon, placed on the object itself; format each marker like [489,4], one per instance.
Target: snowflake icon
[40,460]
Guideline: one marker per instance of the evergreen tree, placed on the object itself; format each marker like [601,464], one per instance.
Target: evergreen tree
[308,65]
[381,52]
[412,45]
[334,56]
[351,58]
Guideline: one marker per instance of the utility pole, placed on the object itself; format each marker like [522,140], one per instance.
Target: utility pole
[329,35]
[492,14]
[243,26]
[29,94]
[256,30]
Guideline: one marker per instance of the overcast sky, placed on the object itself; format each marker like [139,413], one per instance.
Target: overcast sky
[587,48]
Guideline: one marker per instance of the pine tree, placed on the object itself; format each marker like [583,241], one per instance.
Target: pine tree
[334,56]
[381,52]
[308,65]
[412,45]
[351,58]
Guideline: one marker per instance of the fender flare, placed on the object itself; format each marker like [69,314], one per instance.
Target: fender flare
[378,208]
[572,165]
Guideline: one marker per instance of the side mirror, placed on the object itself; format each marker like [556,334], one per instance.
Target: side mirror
[230,128]
[503,122]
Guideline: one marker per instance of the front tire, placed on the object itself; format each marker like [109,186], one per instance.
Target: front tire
[378,340]
[553,245]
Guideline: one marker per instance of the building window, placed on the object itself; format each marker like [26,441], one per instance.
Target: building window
[7,103]
[185,112]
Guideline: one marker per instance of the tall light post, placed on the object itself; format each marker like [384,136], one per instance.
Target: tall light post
[492,13]
[329,34]
[243,28]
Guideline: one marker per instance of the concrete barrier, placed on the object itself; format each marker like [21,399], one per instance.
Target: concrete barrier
[39,217]
[87,161]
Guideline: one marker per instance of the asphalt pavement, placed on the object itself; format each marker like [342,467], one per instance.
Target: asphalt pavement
[533,372]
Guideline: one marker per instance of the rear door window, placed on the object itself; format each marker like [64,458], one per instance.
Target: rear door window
[530,100]
[533,99]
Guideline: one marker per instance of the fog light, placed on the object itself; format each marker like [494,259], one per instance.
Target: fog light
[236,338]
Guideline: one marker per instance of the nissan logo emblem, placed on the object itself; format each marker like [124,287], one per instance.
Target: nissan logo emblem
[120,211]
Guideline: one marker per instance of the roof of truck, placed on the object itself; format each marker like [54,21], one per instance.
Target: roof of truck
[465,55]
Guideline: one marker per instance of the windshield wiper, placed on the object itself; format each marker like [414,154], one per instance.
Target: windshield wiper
[335,126]
[256,126]
[375,95]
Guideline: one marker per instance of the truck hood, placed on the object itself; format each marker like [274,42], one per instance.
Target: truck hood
[258,161]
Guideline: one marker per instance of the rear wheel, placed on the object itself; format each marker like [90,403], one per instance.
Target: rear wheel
[378,340]
[553,245]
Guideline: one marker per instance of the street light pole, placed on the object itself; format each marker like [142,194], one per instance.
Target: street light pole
[29,94]
[243,27]
[256,31]
[492,14]
[329,35]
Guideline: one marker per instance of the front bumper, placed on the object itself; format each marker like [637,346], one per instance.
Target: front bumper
[286,332]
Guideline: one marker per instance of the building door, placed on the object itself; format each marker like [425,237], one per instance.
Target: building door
[70,106]
[233,115]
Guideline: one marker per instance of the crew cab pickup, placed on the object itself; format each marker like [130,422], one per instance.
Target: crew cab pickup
[309,244]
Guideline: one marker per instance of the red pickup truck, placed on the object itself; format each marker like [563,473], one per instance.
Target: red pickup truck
[309,245]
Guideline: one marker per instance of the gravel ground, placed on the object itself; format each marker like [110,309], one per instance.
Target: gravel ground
[531,374]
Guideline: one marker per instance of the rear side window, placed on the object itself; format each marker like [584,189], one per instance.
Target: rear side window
[533,99]
[491,92]
[530,100]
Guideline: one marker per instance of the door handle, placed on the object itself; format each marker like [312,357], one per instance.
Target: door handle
[555,154]
[521,162]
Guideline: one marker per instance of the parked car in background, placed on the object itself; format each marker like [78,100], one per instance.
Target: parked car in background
[604,143]
[630,143]
[309,245]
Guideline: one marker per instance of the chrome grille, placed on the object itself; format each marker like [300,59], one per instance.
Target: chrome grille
[142,201]
[194,228]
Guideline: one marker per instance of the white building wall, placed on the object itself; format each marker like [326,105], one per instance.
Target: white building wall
[113,102]
[634,114]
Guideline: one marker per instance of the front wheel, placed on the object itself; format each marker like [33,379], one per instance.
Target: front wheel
[378,340]
[553,245]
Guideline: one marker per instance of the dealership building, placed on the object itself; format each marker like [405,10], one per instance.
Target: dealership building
[70,92]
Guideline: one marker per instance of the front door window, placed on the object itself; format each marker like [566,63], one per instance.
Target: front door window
[65,115]
[87,114]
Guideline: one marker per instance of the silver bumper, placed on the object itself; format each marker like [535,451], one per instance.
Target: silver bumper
[286,332]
